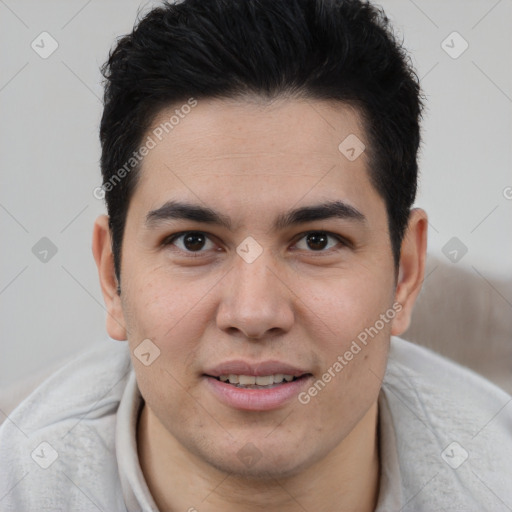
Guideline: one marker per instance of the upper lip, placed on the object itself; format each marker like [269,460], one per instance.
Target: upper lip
[257,369]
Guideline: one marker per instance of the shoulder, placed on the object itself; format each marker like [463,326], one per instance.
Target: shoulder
[435,376]
[57,447]
[453,430]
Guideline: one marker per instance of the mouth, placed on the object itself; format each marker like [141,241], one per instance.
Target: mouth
[263,387]
[256,386]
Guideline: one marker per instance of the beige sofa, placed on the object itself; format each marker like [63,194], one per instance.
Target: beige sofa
[460,313]
[466,316]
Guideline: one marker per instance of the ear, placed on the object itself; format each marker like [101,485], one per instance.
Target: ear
[102,252]
[412,269]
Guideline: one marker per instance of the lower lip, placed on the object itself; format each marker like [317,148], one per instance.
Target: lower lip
[263,399]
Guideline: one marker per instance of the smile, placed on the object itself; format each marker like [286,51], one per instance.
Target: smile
[257,393]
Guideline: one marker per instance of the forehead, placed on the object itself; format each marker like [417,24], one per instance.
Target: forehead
[237,129]
[249,154]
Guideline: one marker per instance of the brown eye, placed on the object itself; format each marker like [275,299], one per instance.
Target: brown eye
[319,241]
[194,241]
[190,242]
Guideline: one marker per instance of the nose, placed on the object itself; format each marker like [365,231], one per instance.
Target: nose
[256,301]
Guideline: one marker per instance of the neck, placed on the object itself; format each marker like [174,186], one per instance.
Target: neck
[346,479]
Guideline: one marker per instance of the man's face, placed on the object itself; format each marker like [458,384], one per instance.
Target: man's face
[256,298]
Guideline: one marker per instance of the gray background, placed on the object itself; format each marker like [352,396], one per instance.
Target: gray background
[49,153]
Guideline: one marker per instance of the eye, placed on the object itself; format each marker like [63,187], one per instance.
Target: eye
[190,241]
[197,243]
[318,241]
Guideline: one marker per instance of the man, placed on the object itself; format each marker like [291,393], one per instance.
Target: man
[260,256]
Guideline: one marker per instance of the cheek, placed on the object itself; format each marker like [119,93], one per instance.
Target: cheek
[158,309]
[166,308]
[343,308]
[172,315]
[350,320]
[353,366]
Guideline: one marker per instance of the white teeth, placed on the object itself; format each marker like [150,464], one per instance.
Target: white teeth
[250,380]
[245,380]
[265,381]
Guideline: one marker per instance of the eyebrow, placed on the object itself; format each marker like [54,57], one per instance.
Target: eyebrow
[187,211]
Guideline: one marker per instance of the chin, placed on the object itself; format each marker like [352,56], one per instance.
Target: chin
[259,459]
[263,470]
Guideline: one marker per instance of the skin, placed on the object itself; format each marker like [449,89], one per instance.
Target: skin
[252,161]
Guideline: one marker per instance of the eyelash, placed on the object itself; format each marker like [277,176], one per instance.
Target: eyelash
[196,254]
